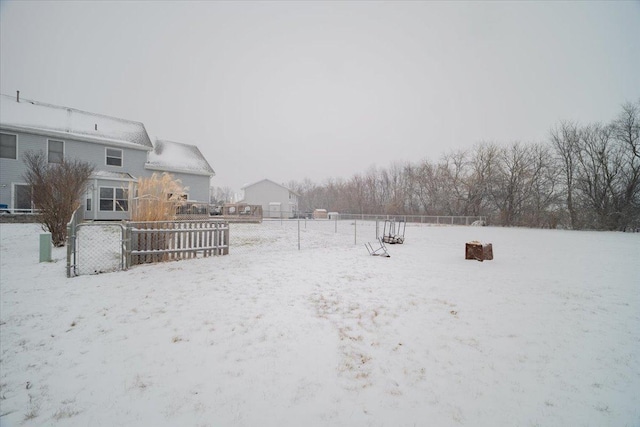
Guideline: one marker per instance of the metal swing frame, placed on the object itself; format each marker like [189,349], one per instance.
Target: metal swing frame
[393,232]
[379,251]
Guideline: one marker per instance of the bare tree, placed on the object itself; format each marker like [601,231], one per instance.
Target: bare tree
[564,139]
[57,189]
[510,192]
[541,208]
[600,170]
[220,195]
[484,164]
[456,165]
[626,131]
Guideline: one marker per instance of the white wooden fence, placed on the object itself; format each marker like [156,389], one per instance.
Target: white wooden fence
[158,241]
[142,242]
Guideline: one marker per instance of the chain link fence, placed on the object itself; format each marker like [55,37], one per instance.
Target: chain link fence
[100,247]
[338,230]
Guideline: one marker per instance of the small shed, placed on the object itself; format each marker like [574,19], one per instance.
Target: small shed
[320,214]
[334,215]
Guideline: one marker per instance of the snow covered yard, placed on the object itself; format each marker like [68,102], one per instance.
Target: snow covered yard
[545,334]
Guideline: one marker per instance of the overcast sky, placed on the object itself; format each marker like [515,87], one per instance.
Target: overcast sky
[288,90]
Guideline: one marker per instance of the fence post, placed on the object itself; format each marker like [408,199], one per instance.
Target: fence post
[336,224]
[298,233]
[355,232]
[127,245]
[69,250]
[226,238]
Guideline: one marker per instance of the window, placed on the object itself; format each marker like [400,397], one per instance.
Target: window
[22,197]
[8,146]
[114,157]
[88,205]
[56,151]
[114,199]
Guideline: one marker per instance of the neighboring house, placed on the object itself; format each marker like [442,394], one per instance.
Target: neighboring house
[184,162]
[120,151]
[277,200]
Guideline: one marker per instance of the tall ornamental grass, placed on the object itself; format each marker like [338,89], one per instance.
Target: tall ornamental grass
[158,198]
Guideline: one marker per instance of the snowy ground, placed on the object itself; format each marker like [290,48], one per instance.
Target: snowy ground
[548,333]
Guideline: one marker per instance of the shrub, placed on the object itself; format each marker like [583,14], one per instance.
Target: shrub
[56,189]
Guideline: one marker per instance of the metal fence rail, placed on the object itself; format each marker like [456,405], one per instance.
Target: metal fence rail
[421,219]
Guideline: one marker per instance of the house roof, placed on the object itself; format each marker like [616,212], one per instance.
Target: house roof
[177,157]
[64,122]
[273,182]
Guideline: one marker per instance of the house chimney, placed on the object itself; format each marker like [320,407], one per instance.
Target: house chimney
[17,96]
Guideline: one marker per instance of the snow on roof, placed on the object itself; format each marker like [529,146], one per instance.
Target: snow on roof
[28,115]
[177,157]
[112,175]
[268,180]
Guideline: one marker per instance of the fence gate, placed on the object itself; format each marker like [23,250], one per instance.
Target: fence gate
[99,248]
[94,248]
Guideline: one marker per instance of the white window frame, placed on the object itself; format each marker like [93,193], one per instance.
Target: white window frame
[49,152]
[88,199]
[14,208]
[106,157]
[17,144]
[114,199]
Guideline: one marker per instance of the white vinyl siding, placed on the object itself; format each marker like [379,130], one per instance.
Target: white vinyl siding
[113,157]
[114,199]
[55,151]
[8,146]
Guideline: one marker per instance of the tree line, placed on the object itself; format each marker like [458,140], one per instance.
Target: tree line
[582,177]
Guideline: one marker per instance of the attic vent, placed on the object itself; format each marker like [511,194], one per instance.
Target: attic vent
[17,96]
[96,126]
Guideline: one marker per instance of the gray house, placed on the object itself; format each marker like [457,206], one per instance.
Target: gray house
[277,200]
[119,149]
[184,162]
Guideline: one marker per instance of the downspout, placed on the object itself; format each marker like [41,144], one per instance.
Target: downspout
[95,202]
